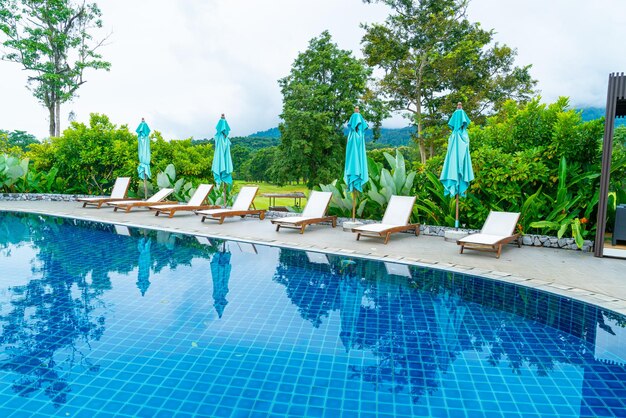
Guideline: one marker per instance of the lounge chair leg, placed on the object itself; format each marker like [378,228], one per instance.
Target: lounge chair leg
[262,215]
[277,228]
[499,251]
[157,213]
[84,204]
[417,230]
[115,209]
[358,235]
[222,220]
[203,218]
[461,250]
[302,229]
[334,222]
[172,214]
[387,236]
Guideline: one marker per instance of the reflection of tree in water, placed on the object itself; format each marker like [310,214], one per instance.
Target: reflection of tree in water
[418,327]
[312,287]
[58,313]
[396,330]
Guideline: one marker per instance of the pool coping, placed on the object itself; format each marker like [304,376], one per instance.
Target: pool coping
[602,300]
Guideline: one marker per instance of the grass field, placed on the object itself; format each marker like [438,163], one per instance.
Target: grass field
[263,202]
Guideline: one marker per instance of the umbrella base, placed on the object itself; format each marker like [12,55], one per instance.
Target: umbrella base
[453,236]
[348,225]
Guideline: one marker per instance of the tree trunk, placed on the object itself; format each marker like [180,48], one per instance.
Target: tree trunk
[57,127]
[52,127]
[422,144]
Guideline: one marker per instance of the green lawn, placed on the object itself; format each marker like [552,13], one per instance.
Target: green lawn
[263,202]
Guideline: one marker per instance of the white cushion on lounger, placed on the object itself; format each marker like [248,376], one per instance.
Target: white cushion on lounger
[486,239]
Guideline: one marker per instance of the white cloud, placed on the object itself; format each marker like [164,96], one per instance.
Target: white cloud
[180,64]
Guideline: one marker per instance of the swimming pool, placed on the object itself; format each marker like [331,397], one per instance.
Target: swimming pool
[102,320]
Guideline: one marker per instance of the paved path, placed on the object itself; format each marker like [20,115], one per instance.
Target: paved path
[601,281]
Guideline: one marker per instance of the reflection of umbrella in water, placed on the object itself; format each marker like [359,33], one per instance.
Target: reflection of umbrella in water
[449,315]
[351,293]
[143,278]
[220,272]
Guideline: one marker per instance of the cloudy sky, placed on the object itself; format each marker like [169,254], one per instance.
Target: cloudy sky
[180,63]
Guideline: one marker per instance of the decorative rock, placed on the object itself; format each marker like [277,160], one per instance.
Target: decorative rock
[348,225]
[453,236]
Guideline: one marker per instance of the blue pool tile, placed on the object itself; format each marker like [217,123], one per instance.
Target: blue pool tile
[195,330]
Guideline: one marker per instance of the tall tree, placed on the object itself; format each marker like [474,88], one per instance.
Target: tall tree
[319,96]
[53,40]
[433,57]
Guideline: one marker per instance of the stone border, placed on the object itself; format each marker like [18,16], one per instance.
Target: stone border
[432,230]
[49,197]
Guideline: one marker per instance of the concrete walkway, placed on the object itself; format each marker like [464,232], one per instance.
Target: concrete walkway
[600,281]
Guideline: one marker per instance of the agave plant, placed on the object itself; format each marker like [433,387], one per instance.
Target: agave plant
[341,200]
[385,183]
[382,184]
[167,179]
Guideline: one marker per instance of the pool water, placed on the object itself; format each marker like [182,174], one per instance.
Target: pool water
[99,320]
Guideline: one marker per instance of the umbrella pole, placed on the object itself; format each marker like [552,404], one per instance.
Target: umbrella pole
[145,188]
[456,220]
[224,202]
[353,206]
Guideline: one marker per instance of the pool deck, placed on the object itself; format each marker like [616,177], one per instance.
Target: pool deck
[600,281]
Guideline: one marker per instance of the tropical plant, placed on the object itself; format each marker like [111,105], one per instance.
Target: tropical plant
[433,207]
[569,212]
[41,182]
[11,170]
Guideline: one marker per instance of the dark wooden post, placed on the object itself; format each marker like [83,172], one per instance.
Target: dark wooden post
[615,106]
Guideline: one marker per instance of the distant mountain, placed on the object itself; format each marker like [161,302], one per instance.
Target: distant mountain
[395,137]
[255,142]
[388,136]
[591,113]
[270,133]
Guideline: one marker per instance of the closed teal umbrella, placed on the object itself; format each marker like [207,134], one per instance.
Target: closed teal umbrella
[457,170]
[355,173]
[144,154]
[222,162]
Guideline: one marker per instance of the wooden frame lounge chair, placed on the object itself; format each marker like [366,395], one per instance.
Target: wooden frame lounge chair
[241,207]
[155,199]
[120,188]
[197,202]
[314,212]
[498,229]
[396,219]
